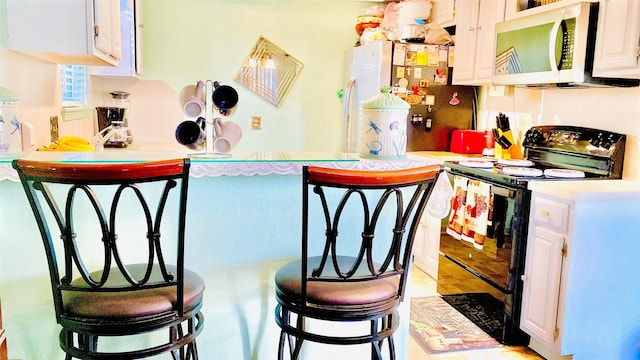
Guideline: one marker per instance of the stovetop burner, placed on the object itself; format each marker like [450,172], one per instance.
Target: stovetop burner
[511,162]
[521,171]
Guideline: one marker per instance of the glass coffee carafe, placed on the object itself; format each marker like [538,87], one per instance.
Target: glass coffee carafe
[113,129]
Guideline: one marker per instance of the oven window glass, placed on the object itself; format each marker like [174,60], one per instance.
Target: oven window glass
[492,260]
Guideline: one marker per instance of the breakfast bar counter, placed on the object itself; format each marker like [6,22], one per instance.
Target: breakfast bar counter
[243,222]
[247,164]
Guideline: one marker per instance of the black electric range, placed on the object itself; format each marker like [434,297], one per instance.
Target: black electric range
[554,153]
[480,274]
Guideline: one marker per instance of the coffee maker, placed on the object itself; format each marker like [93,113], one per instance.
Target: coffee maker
[113,127]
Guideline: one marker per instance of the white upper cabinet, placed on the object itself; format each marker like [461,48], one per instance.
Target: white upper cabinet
[82,32]
[618,39]
[475,40]
[131,40]
[443,12]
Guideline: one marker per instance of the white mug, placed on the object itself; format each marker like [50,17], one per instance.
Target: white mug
[227,135]
[192,99]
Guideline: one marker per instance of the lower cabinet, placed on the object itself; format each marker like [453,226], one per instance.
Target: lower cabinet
[426,245]
[581,285]
[547,246]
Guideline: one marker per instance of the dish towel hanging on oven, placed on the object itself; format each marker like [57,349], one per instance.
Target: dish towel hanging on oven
[439,203]
[470,211]
[474,225]
[456,217]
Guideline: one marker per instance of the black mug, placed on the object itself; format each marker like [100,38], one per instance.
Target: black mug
[192,133]
[225,99]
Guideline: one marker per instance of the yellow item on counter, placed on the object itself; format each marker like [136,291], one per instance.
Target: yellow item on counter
[68,143]
[497,151]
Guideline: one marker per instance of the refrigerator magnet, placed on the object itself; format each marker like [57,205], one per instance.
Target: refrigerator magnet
[454,99]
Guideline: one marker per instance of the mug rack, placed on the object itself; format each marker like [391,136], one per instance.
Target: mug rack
[211,115]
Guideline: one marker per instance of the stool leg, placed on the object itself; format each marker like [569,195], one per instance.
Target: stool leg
[294,343]
[174,333]
[192,351]
[387,323]
[376,353]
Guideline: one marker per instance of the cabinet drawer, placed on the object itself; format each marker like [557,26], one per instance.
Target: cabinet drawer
[551,214]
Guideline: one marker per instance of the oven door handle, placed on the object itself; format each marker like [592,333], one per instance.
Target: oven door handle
[508,193]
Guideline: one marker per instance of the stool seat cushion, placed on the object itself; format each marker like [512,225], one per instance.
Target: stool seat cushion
[287,280]
[135,303]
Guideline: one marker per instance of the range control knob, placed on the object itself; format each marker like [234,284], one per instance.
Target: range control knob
[603,140]
[610,140]
[597,140]
[534,136]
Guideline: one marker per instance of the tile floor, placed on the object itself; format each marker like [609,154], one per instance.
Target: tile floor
[424,285]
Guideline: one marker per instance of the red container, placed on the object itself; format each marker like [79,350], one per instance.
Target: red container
[468,141]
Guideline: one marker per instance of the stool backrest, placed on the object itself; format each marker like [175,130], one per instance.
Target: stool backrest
[370,217]
[77,207]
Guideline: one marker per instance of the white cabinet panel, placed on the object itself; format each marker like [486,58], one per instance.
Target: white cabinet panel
[131,43]
[84,32]
[541,279]
[580,290]
[426,246]
[443,12]
[475,40]
[618,39]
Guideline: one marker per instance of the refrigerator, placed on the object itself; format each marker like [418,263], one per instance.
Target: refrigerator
[413,70]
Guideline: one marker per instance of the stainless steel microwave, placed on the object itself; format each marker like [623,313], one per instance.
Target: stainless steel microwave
[550,48]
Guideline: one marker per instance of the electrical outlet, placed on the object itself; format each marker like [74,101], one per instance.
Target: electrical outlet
[256,122]
[430,100]
[53,126]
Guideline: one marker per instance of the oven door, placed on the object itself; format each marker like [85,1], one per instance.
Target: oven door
[493,262]
[484,284]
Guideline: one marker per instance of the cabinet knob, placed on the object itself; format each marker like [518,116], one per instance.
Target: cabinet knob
[544,213]
[471,28]
[524,278]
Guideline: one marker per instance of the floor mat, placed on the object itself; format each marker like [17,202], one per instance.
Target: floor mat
[439,328]
[482,309]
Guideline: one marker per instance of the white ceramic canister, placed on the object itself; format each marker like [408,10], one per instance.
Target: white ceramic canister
[384,126]
[10,134]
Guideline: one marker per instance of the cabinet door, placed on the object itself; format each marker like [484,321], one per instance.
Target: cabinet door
[541,291]
[130,64]
[465,52]
[426,246]
[107,27]
[618,39]
[491,12]
[475,40]
[65,32]
[443,12]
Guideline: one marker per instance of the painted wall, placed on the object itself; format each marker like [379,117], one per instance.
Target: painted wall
[188,40]
[210,40]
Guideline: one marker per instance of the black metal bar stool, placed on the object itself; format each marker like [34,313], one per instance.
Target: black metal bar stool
[112,274]
[359,278]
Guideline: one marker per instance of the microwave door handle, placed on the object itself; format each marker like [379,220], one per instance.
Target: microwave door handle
[346,105]
[552,46]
